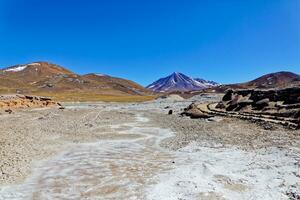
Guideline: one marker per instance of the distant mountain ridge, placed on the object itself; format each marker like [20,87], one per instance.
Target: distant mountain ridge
[276,79]
[179,82]
[272,80]
[44,77]
[209,83]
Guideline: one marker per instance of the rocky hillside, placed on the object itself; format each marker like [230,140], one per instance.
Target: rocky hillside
[179,82]
[10,102]
[119,84]
[273,80]
[277,104]
[263,106]
[43,77]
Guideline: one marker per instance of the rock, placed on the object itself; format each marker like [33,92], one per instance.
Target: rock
[198,115]
[88,125]
[293,195]
[61,108]
[49,85]
[45,98]
[263,101]
[9,111]
[232,105]
[245,102]
[220,105]
[170,112]
[29,97]
[244,93]
[193,112]
[261,104]
[281,105]
[267,126]
[228,95]
[241,104]
[192,106]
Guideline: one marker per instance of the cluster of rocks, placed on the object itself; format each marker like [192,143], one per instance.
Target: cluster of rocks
[279,104]
[261,98]
[273,100]
[9,102]
[265,107]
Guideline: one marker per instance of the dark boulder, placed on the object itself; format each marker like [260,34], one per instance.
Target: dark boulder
[220,105]
[199,115]
[232,105]
[245,102]
[29,97]
[261,104]
[258,95]
[228,95]
[9,111]
[242,104]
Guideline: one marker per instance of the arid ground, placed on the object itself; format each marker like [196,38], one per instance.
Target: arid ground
[138,151]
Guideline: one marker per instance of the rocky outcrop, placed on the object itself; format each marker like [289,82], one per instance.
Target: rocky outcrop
[282,105]
[265,107]
[9,102]
[261,99]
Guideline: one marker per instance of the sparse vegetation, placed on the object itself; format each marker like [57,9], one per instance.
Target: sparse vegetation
[93,97]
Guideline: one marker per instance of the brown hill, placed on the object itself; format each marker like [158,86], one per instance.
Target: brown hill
[273,80]
[50,79]
[115,83]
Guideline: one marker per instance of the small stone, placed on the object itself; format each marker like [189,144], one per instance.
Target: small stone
[9,111]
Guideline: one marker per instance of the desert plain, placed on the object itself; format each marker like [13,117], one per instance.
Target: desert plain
[138,151]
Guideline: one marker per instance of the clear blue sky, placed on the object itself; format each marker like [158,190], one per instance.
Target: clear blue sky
[221,40]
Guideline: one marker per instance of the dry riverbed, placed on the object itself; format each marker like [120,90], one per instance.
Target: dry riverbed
[136,151]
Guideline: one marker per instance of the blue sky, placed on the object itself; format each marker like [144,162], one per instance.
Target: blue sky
[142,40]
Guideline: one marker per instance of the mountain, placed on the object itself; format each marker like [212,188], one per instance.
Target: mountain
[272,80]
[207,83]
[115,83]
[178,82]
[44,77]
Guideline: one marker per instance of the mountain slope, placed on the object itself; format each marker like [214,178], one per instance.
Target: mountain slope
[272,80]
[207,83]
[115,83]
[178,82]
[43,77]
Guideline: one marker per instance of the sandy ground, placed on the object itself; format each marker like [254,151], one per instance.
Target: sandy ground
[137,151]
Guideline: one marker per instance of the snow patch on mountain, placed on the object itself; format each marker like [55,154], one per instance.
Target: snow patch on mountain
[206,82]
[19,68]
[16,69]
[35,64]
[101,74]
